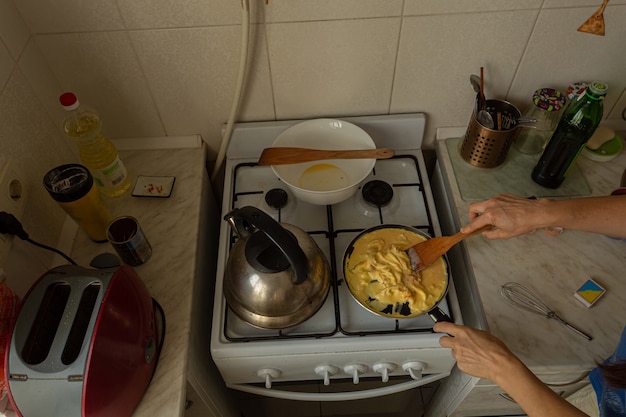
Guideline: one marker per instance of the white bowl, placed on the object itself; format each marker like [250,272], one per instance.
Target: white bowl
[326,181]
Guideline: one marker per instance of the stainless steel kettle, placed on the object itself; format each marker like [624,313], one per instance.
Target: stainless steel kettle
[276,276]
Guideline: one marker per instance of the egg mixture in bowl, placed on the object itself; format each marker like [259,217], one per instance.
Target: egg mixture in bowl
[379,275]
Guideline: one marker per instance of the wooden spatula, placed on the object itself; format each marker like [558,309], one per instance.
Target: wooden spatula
[595,24]
[282,156]
[425,253]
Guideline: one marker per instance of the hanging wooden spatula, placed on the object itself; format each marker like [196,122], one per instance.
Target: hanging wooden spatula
[282,156]
[425,253]
[595,24]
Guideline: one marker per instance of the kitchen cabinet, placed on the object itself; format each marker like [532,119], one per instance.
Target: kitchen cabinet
[486,398]
[182,230]
[553,266]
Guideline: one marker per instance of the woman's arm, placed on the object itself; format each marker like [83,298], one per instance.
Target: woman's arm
[513,215]
[480,354]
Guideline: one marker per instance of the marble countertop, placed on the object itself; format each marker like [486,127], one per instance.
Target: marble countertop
[553,266]
[171,225]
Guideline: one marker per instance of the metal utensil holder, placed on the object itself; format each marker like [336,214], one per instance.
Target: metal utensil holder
[487,148]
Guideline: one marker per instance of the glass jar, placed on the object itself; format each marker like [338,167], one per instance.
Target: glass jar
[545,108]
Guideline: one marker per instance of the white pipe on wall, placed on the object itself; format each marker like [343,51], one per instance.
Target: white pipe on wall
[245,29]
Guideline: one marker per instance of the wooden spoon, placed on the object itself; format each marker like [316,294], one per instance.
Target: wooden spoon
[483,116]
[425,253]
[282,156]
[483,101]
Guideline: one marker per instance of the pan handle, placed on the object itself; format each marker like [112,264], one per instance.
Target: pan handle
[438,315]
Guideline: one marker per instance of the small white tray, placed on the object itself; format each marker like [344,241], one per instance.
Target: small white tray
[160,187]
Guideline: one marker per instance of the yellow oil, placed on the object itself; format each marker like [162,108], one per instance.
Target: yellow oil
[91,214]
[97,153]
[323,177]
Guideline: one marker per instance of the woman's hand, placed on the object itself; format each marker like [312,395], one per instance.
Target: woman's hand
[510,215]
[477,352]
[480,354]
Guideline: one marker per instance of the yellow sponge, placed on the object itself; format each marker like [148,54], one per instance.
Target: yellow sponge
[600,136]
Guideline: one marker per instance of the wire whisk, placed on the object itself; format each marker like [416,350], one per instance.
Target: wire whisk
[523,298]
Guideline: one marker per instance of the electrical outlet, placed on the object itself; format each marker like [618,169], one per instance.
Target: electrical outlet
[13,192]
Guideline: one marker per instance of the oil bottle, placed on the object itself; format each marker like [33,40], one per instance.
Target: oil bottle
[96,151]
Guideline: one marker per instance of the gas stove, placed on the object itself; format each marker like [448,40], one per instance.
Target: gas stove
[342,339]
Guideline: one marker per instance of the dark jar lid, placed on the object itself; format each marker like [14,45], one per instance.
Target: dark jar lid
[67,183]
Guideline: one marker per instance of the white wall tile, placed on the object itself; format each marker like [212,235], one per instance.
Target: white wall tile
[334,67]
[6,66]
[579,3]
[257,101]
[104,72]
[618,111]
[438,54]
[151,14]
[428,7]
[307,10]
[28,137]
[555,60]
[192,75]
[54,16]
[35,68]
[13,30]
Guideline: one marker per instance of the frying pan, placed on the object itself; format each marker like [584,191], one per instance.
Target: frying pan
[399,310]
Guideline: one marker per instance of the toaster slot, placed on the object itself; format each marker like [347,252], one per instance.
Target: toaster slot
[46,323]
[80,325]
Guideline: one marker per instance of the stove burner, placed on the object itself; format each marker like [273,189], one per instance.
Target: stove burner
[377,193]
[276,198]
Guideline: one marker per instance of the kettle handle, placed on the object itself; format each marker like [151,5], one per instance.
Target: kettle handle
[242,218]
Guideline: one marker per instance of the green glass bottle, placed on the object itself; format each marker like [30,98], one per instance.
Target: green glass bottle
[575,128]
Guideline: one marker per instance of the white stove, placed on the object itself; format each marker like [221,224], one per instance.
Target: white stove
[341,340]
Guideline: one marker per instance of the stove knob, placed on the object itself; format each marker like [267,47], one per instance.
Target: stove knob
[414,368]
[384,368]
[355,369]
[326,371]
[267,374]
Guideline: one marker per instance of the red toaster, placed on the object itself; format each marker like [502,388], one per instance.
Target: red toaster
[85,343]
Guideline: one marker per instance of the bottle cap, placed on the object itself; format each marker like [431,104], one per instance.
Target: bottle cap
[69,101]
[549,99]
[598,88]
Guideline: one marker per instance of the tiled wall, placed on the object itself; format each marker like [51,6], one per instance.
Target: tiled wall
[165,68]
[31,141]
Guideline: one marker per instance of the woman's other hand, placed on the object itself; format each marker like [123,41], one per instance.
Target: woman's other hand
[477,352]
[480,354]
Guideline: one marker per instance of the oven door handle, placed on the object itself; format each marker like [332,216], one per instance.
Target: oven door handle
[338,396]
